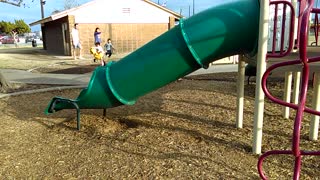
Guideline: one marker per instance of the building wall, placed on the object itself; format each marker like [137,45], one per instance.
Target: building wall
[53,36]
[120,11]
[130,25]
[125,37]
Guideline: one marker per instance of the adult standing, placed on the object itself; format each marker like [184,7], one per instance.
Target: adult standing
[76,41]
[15,37]
[97,36]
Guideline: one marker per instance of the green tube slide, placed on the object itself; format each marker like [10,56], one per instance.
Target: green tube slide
[224,30]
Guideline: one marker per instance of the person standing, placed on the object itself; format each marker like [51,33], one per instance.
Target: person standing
[109,48]
[15,37]
[97,35]
[76,41]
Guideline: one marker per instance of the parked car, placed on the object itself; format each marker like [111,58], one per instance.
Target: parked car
[2,39]
[29,39]
[9,40]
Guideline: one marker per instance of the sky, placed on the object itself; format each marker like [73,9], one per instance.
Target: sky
[32,12]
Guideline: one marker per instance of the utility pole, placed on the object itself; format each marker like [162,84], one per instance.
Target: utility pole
[42,2]
[193,7]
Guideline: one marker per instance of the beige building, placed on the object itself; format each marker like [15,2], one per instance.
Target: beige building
[129,23]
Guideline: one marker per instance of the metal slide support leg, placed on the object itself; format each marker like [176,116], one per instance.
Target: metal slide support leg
[104,112]
[70,102]
[78,113]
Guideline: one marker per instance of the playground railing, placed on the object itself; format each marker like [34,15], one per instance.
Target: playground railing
[316,26]
[282,51]
[301,106]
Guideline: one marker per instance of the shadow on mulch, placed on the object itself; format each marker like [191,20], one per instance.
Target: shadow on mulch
[228,77]
[72,70]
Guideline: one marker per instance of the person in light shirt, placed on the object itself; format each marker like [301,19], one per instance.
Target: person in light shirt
[76,41]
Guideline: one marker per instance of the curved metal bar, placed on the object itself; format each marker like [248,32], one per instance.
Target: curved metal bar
[265,155]
[310,153]
[279,101]
[78,113]
[291,30]
[305,79]
[301,107]
[57,100]
[278,152]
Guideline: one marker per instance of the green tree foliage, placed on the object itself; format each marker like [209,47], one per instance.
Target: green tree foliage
[19,25]
[6,27]
[4,84]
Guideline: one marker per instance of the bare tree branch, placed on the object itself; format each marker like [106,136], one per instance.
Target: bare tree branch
[12,2]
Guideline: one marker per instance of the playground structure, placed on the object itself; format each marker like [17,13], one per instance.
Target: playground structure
[196,42]
[305,10]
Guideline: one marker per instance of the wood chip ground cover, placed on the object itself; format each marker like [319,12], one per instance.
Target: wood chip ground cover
[185,130]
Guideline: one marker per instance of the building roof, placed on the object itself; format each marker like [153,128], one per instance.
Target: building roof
[70,11]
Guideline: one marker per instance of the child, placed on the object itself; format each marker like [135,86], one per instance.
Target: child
[98,53]
[109,48]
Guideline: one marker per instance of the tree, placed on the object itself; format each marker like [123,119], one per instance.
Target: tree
[19,26]
[6,27]
[4,84]
[68,4]
[12,2]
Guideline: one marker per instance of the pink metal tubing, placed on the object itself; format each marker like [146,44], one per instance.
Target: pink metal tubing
[310,153]
[302,97]
[305,78]
[304,87]
[279,152]
[304,33]
[301,8]
[263,156]
[291,29]
[315,10]
[316,31]
[279,101]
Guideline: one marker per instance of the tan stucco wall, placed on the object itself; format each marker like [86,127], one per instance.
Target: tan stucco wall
[125,37]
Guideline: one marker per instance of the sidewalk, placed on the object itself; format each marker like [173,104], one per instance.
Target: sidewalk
[21,76]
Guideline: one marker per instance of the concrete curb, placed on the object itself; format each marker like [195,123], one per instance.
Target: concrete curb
[41,90]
